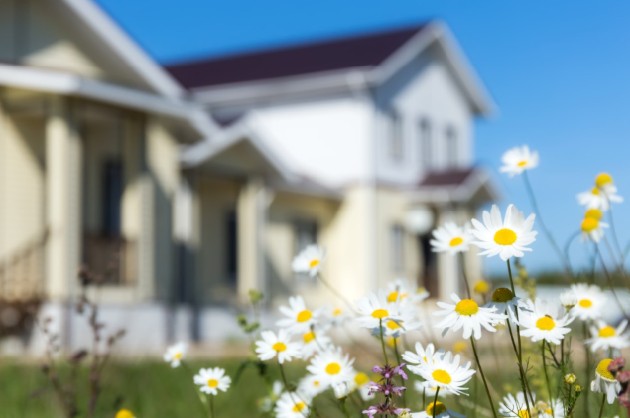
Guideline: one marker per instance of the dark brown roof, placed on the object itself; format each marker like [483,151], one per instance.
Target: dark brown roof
[453,177]
[367,50]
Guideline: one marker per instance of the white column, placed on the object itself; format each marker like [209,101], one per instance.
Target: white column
[63,192]
[251,217]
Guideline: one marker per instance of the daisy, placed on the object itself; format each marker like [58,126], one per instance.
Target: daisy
[125,413]
[360,382]
[420,357]
[450,238]
[401,290]
[404,319]
[605,382]
[425,388]
[568,299]
[590,301]
[508,237]
[542,321]
[504,301]
[313,342]
[446,373]
[597,198]
[592,228]
[467,314]
[280,346]
[332,367]
[437,410]
[604,181]
[175,354]
[606,337]
[518,159]
[335,316]
[311,385]
[514,406]
[211,381]
[309,260]
[292,405]
[374,311]
[299,318]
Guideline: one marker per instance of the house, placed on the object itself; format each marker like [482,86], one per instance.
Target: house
[184,187]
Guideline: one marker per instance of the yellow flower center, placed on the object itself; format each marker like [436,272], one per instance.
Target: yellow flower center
[279,347]
[602,179]
[481,286]
[459,346]
[502,295]
[589,224]
[602,369]
[304,315]
[585,303]
[594,213]
[505,236]
[392,297]
[298,407]
[333,368]
[213,383]
[546,323]
[314,263]
[308,337]
[595,191]
[523,413]
[178,356]
[466,307]
[522,163]
[380,313]
[454,242]
[337,312]
[607,332]
[361,379]
[435,408]
[124,413]
[442,376]
[392,325]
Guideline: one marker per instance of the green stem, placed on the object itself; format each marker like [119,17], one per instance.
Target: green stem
[380,327]
[483,377]
[211,406]
[435,400]
[587,370]
[601,406]
[544,361]
[464,276]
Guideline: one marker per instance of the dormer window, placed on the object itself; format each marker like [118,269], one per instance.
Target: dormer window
[396,140]
[426,144]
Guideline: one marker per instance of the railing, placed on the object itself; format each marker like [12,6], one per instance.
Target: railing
[111,260]
[22,272]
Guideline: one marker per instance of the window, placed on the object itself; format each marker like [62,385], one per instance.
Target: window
[426,144]
[231,246]
[396,140]
[397,246]
[452,147]
[112,197]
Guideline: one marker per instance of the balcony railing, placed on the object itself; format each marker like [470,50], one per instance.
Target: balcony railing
[22,272]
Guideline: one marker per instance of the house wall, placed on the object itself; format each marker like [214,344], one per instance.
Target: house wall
[325,139]
[424,89]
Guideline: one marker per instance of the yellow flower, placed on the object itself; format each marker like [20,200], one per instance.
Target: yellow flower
[481,286]
[569,378]
[125,413]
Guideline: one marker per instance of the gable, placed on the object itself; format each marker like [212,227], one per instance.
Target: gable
[50,34]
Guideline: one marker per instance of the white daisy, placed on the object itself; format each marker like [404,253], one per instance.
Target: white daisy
[299,318]
[420,357]
[504,301]
[605,382]
[508,237]
[423,387]
[309,260]
[553,409]
[514,406]
[374,311]
[518,159]
[437,410]
[360,382]
[293,405]
[332,367]
[446,373]
[606,337]
[279,345]
[267,403]
[590,301]
[568,299]
[311,385]
[544,321]
[211,381]
[592,227]
[604,181]
[175,354]
[404,319]
[401,290]
[450,238]
[597,198]
[335,316]
[313,342]
[467,314]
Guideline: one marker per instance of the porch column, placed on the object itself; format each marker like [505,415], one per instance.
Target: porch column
[251,218]
[63,191]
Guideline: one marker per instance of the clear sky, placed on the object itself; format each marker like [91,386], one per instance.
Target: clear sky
[558,70]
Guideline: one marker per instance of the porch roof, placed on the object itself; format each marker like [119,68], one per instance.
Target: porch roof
[471,185]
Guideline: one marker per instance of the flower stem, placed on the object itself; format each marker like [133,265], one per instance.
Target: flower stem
[544,361]
[601,406]
[462,265]
[435,401]
[211,406]
[483,377]
[380,327]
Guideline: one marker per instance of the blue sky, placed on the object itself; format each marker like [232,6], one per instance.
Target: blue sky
[558,70]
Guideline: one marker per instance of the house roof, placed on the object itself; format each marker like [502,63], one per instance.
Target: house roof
[471,185]
[452,177]
[366,50]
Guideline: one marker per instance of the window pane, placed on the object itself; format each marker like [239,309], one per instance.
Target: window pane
[396,142]
[426,145]
[452,147]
